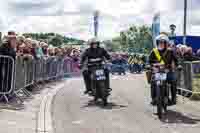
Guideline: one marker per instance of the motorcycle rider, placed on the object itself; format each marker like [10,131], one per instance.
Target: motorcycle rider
[99,54]
[163,55]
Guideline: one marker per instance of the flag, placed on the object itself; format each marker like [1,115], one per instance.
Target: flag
[156,26]
[96,24]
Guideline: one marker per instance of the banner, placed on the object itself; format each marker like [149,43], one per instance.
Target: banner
[96,24]
[156,27]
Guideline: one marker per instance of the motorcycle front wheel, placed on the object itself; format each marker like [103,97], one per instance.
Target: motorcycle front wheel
[159,108]
[159,102]
[103,92]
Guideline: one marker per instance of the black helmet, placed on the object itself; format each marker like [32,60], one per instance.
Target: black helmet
[94,41]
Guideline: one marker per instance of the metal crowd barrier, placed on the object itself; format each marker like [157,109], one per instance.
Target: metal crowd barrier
[70,67]
[17,75]
[7,66]
[189,79]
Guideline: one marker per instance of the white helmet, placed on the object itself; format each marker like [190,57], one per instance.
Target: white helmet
[162,37]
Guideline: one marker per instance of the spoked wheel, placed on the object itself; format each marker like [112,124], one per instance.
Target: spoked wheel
[104,95]
[159,108]
[165,104]
[165,108]
[159,102]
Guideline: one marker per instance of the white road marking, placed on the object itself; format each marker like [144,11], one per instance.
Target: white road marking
[77,122]
[44,115]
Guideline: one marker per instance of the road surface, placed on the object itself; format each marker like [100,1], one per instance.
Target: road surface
[129,110]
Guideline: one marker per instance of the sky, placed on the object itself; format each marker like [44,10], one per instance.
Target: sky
[75,17]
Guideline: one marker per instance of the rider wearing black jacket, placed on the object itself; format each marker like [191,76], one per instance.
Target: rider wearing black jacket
[94,55]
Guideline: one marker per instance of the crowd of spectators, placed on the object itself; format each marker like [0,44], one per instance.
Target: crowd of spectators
[34,49]
[185,53]
[17,46]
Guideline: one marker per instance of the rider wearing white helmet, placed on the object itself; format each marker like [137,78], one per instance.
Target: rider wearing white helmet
[94,52]
[166,57]
[162,41]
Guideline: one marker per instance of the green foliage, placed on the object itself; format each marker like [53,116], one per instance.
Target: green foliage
[134,39]
[54,39]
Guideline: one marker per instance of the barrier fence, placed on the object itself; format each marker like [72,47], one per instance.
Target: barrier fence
[17,75]
[6,76]
[189,79]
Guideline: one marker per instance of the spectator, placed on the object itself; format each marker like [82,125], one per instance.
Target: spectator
[20,50]
[20,41]
[44,48]
[51,52]
[28,46]
[63,51]
[75,56]
[59,52]
[56,50]
[8,48]
[198,52]
[188,55]
[39,51]
[34,49]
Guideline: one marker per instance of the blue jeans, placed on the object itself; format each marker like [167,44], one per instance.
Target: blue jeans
[132,68]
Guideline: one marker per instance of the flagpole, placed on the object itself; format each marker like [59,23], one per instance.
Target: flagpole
[185,22]
[96,23]
[156,27]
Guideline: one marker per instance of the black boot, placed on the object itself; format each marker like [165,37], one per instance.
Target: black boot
[174,91]
[87,91]
[153,102]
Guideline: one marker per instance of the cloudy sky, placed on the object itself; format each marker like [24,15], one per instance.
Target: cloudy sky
[74,17]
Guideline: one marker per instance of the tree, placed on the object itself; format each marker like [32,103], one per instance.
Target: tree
[53,37]
[134,39]
[56,41]
[139,38]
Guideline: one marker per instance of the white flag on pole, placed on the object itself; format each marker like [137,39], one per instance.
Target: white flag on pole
[156,26]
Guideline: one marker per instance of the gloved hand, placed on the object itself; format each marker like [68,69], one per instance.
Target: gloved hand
[80,66]
[180,67]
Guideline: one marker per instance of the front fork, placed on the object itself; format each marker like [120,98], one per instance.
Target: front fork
[162,92]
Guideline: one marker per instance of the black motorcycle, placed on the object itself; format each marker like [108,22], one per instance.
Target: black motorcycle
[162,89]
[98,83]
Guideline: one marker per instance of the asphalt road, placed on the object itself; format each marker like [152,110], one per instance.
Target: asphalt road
[129,110]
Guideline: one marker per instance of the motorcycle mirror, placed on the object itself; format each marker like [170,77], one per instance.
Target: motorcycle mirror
[148,67]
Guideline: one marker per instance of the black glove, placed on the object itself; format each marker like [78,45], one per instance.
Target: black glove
[80,66]
[180,67]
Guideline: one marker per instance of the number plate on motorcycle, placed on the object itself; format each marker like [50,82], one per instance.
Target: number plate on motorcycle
[99,72]
[160,76]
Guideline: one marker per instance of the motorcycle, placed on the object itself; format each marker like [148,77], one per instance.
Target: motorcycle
[98,83]
[162,89]
[120,69]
